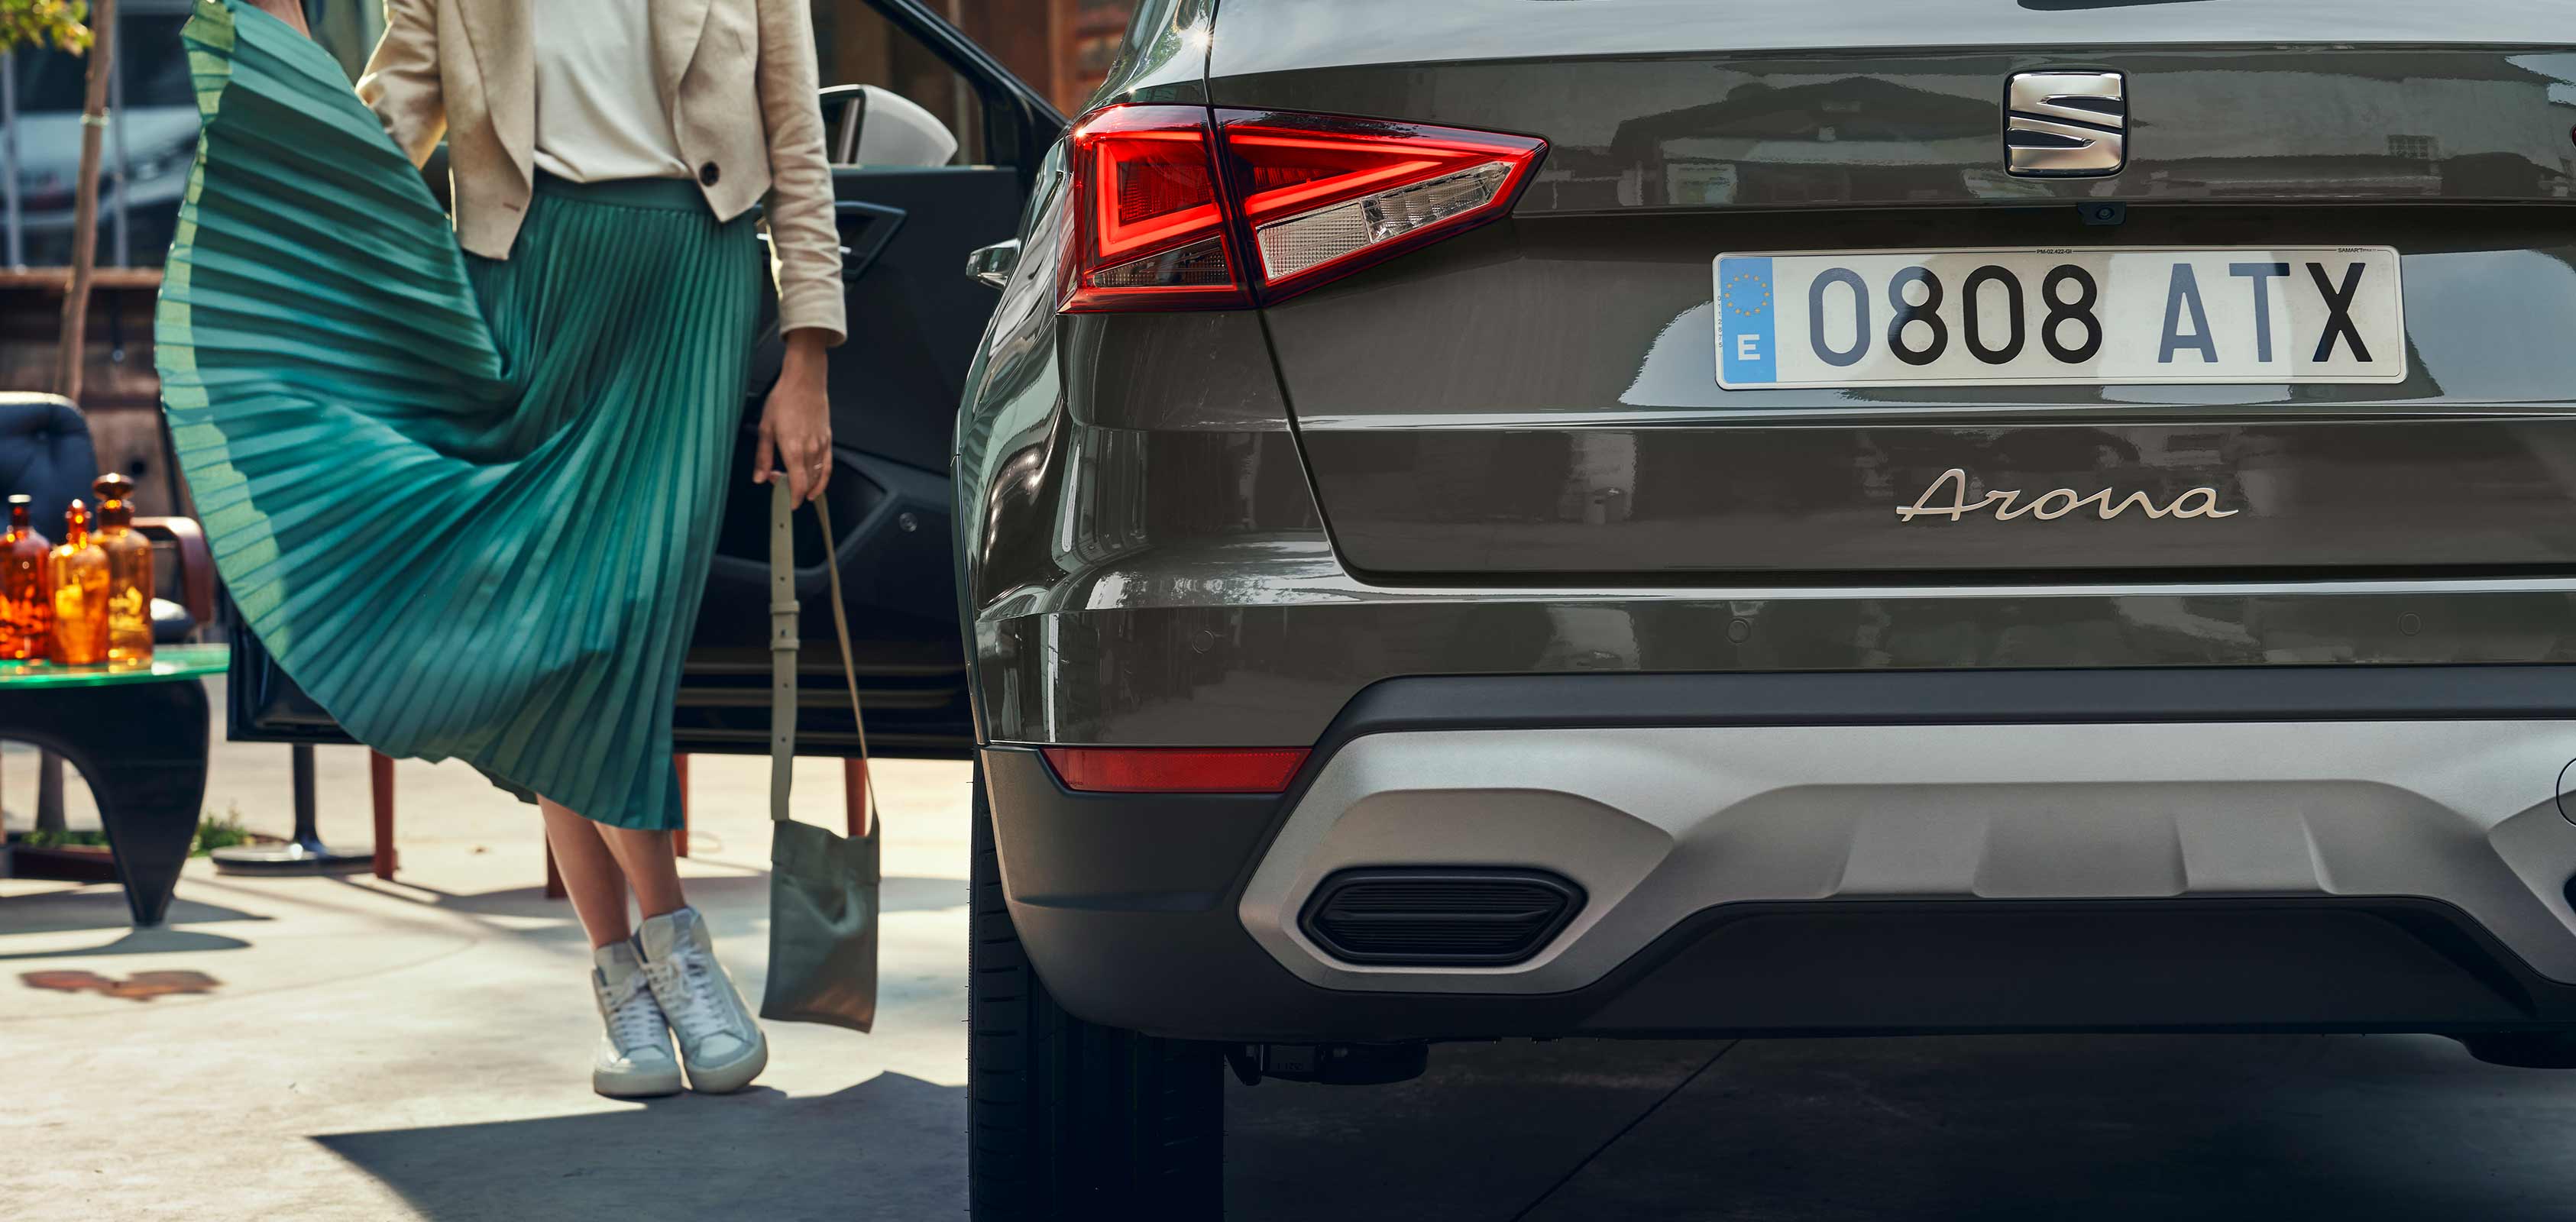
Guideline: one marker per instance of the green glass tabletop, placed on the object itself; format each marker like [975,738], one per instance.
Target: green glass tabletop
[169,662]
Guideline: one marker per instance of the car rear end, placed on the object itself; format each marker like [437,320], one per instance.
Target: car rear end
[1917,517]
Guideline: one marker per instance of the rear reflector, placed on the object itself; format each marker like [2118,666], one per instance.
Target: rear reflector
[1166,199]
[1176,769]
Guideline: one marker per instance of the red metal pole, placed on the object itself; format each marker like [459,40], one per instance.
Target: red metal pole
[680,838]
[380,785]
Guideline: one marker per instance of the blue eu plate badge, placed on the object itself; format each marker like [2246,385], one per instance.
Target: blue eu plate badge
[1745,335]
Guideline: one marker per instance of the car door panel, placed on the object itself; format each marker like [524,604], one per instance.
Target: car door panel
[914,318]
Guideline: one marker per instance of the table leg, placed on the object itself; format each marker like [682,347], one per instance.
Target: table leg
[49,791]
[305,853]
[142,747]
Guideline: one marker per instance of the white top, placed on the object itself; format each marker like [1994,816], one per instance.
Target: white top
[600,114]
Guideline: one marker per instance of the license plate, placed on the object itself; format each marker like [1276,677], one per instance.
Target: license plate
[2004,316]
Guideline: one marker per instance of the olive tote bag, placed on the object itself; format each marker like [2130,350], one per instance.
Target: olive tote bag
[823,888]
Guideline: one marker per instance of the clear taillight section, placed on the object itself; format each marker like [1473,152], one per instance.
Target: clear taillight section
[1296,245]
[1324,195]
[1167,199]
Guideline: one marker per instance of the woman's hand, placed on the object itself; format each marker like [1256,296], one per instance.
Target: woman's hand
[796,423]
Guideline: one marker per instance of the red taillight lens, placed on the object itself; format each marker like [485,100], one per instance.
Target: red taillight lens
[1159,220]
[1176,769]
[1149,231]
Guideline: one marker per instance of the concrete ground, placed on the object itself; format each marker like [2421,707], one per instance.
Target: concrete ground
[306,1049]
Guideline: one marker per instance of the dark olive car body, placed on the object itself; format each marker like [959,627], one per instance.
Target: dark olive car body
[1920,705]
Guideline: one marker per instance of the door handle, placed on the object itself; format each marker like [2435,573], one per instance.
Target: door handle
[865,229]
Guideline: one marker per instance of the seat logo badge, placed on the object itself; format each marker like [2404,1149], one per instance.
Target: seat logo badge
[2065,124]
[2053,504]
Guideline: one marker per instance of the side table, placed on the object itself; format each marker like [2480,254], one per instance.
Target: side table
[139,736]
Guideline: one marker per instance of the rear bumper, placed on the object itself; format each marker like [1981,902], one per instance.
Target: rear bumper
[2323,850]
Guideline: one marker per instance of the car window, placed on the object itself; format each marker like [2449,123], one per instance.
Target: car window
[856,46]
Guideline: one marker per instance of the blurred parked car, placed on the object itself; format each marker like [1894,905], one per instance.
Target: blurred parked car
[150,144]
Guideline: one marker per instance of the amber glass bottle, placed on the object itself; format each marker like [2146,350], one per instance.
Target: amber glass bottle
[129,573]
[26,606]
[77,571]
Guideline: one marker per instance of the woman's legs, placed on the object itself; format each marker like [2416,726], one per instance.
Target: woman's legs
[591,875]
[598,863]
[650,861]
[720,1042]
[634,1059]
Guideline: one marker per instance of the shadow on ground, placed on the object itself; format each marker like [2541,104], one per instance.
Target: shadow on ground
[890,1147]
[727,892]
[102,908]
[2006,1128]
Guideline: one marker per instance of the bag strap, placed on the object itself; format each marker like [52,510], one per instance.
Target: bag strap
[784,641]
[782,647]
[849,668]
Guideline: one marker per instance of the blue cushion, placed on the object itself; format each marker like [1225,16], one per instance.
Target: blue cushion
[171,622]
[45,452]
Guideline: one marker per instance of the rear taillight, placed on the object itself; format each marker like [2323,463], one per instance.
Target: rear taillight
[1324,195]
[1165,215]
[1150,231]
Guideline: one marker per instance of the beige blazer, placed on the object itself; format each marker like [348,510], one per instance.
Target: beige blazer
[740,77]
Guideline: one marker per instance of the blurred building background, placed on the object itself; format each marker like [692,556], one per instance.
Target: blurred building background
[1062,48]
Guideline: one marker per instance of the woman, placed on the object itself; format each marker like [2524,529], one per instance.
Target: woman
[467,497]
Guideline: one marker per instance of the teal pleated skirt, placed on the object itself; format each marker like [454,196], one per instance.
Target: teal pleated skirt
[467,504]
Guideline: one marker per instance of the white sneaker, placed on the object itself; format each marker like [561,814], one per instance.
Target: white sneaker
[721,1045]
[634,1060]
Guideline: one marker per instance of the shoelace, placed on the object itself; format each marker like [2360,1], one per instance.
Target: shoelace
[634,1020]
[699,1014]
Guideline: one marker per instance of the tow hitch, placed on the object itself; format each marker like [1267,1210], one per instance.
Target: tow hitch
[1329,1064]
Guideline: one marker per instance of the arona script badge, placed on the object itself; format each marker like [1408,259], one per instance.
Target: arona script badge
[2006,503]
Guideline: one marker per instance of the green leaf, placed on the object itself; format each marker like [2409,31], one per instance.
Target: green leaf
[55,23]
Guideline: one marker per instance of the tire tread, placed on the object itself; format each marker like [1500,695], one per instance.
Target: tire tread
[1069,1119]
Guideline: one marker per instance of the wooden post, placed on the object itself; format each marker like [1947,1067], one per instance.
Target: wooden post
[380,787]
[75,328]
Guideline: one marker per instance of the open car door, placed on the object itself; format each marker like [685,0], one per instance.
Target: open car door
[934,147]
[910,212]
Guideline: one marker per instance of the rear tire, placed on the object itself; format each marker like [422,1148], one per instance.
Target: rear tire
[1069,1119]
